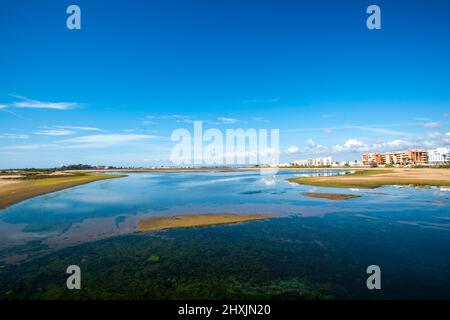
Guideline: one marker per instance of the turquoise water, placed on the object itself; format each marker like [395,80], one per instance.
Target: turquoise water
[318,244]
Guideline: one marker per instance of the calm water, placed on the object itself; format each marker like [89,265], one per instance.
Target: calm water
[318,248]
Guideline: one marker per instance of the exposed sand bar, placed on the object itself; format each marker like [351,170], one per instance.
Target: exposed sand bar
[331,196]
[13,190]
[379,177]
[196,220]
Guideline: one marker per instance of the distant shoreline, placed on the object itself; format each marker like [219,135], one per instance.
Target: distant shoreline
[375,178]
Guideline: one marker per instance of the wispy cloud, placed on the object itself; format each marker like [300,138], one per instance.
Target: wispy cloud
[311,142]
[108,139]
[29,147]
[86,142]
[379,130]
[14,136]
[54,132]
[35,104]
[259,119]
[3,106]
[186,119]
[432,125]
[389,145]
[227,120]
[173,117]
[79,128]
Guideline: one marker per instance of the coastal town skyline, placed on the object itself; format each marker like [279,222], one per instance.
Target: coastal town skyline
[341,93]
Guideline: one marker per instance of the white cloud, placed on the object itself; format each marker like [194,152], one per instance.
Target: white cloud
[3,106]
[227,120]
[432,125]
[293,149]
[54,132]
[447,134]
[327,115]
[34,104]
[353,143]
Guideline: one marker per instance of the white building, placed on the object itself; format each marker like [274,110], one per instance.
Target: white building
[316,162]
[439,156]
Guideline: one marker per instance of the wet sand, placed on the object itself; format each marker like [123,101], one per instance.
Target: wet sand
[331,196]
[14,189]
[196,220]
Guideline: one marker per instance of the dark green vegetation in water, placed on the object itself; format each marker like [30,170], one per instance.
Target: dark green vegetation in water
[277,259]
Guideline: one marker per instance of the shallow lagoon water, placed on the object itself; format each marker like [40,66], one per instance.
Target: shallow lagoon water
[328,244]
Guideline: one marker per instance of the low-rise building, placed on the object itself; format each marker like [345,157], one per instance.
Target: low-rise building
[439,156]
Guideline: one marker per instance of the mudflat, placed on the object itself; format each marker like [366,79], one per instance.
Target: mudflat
[196,220]
[331,196]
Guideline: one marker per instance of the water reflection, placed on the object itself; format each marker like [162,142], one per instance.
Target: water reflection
[113,207]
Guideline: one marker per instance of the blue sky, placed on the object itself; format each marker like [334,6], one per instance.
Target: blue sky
[113,92]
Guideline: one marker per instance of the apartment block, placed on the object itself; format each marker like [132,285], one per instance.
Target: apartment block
[372,158]
[396,158]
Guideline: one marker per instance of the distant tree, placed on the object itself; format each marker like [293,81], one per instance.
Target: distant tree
[77,167]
